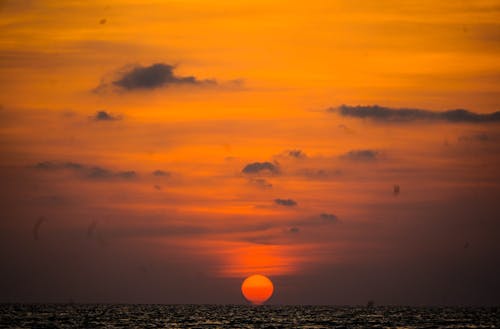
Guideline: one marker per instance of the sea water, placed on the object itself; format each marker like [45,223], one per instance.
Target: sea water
[242,316]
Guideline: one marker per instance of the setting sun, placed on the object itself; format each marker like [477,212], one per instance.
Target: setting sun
[257,289]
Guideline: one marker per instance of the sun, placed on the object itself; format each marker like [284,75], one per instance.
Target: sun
[257,289]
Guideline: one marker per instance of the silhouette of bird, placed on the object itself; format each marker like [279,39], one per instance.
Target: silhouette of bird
[396,189]
[36,227]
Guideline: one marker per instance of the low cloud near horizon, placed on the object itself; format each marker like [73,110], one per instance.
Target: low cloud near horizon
[85,171]
[360,155]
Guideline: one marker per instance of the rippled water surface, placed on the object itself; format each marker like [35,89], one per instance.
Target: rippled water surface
[239,316]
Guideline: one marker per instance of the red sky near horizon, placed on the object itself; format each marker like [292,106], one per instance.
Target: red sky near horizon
[162,151]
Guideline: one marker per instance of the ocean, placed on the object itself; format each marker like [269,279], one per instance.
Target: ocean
[242,316]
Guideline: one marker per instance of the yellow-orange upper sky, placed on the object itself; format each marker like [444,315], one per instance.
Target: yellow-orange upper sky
[188,144]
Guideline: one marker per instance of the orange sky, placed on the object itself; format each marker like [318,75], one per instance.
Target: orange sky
[238,83]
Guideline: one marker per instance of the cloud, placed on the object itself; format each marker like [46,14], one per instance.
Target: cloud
[380,113]
[294,230]
[85,171]
[161,173]
[329,217]
[297,154]
[126,174]
[104,116]
[137,77]
[49,165]
[285,202]
[360,155]
[258,167]
[98,172]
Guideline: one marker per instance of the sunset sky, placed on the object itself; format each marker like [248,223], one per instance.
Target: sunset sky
[162,151]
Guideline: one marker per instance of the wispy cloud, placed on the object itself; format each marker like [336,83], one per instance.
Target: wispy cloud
[161,173]
[360,155]
[298,154]
[85,171]
[329,217]
[285,202]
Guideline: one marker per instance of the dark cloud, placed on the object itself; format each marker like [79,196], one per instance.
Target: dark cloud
[296,154]
[258,167]
[49,165]
[380,113]
[361,155]
[285,202]
[89,172]
[103,21]
[45,165]
[126,174]
[151,77]
[98,173]
[161,173]
[294,230]
[104,116]
[329,217]
[73,165]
